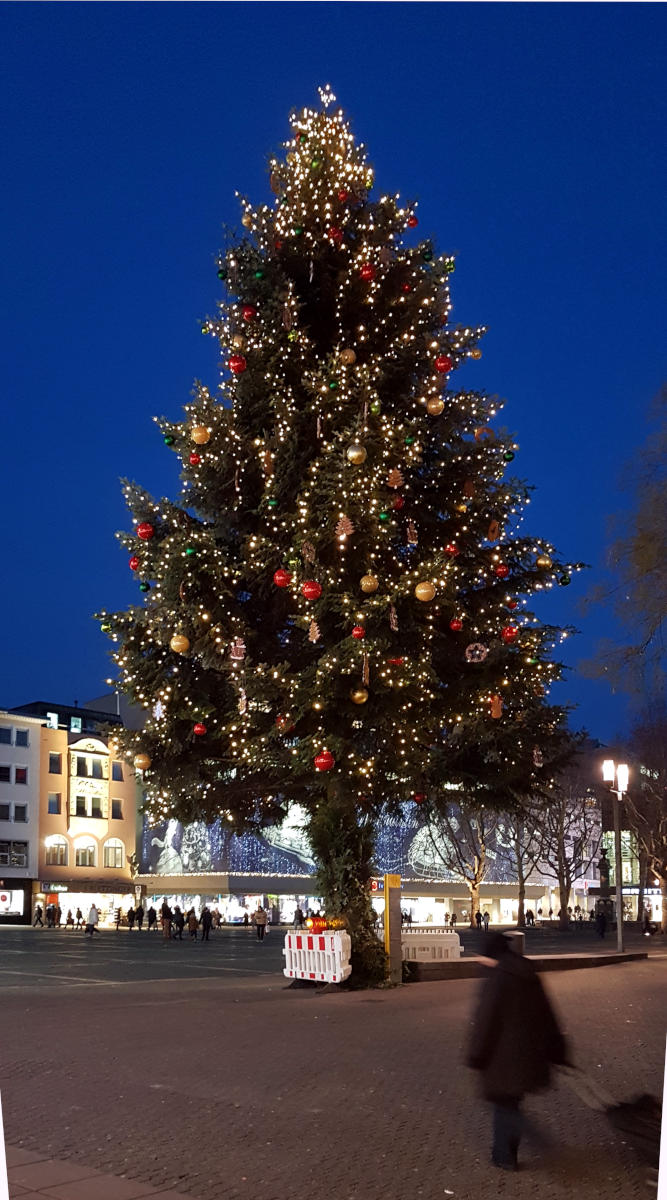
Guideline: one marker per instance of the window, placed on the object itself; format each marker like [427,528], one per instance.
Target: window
[117,772]
[53,804]
[81,810]
[5,736]
[81,765]
[5,774]
[20,774]
[116,810]
[85,854]
[21,737]
[75,724]
[4,812]
[55,764]
[97,807]
[113,853]
[18,855]
[96,770]
[56,851]
[4,854]
[20,812]
[51,720]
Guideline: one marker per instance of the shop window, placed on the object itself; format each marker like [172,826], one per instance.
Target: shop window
[117,772]
[4,812]
[53,804]
[85,854]
[81,766]
[5,774]
[21,737]
[117,810]
[5,736]
[56,851]
[55,764]
[18,855]
[20,774]
[20,812]
[114,853]
[96,768]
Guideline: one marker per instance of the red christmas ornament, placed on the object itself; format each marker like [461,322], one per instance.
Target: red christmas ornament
[509,633]
[311,589]
[199,729]
[335,234]
[396,662]
[145,531]
[419,797]
[237,364]
[284,723]
[324,761]
[406,287]
[278,243]
[412,221]
[452,549]
[248,312]
[282,578]
[443,364]
[399,502]
[456,624]
[343,195]
[367,271]
[512,604]
[502,570]
[134,563]
[195,459]
[358,632]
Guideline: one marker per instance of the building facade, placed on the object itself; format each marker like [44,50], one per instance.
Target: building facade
[19,815]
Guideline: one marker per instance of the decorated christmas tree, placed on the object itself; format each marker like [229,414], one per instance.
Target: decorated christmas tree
[336,610]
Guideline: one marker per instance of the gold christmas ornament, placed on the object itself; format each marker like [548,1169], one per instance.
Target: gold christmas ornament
[544,561]
[238,341]
[358,695]
[395,478]
[246,221]
[357,454]
[142,761]
[476,353]
[425,590]
[496,707]
[369,583]
[435,405]
[461,507]
[201,435]
[348,357]
[179,643]
[485,434]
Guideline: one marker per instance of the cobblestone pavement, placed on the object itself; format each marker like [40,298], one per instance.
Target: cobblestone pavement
[236,1086]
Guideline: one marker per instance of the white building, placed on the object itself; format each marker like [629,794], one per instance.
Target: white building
[19,814]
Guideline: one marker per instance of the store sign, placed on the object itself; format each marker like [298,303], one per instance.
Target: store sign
[47,886]
[635,891]
[12,903]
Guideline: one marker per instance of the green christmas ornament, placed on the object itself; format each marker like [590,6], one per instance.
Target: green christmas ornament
[384,516]
[427,255]
[144,587]
[333,384]
[169,439]
[106,628]
[302,138]
[450,267]
[410,439]
[259,273]
[272,503]
[204,329]
[298,230]
[190,550]
[564,580]
[376,407]
[508,455]
[222,272]
[315,164]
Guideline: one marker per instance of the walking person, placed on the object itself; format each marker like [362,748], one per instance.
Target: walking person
[93,919]
[130,918]
[152,918]
[79,919]
[167,917]
[452,921]
[193,924]
[179,923]
[38,917]
[139,915]
[206,920]
[478,919]
[69,920]
[298,918]
[58,916]
[515,1040]
[485,918]
[259,919]
[601,923]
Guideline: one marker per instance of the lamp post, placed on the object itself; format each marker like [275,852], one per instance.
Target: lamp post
[613,772]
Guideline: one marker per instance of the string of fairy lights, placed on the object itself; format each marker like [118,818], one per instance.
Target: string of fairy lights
[344,585]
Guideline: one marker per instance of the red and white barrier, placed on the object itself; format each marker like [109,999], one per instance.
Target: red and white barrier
[321,957]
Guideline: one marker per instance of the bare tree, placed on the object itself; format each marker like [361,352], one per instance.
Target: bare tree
[646,802]
[519,846]
[564,832]
[461,837]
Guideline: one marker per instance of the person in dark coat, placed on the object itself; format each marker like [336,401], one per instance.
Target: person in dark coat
[515,1040]
[601,923]
[139,914]
[206,920]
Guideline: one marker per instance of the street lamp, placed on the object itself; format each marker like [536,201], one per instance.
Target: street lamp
[620,773]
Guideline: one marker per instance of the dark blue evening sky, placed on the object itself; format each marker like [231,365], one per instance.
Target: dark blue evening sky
[533,137]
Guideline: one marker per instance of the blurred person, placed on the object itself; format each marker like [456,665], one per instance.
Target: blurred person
[206,920]
[152,918]
[130,917]
[179,923]
[193,924]
[139,914]
[93,919]
[38,917]
[167,917]
[259,919]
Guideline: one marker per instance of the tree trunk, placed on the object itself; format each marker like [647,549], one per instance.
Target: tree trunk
[343,841]
[473,888]
[564,889]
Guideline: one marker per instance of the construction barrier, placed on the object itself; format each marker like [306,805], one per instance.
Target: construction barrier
[429,943]
[321,957]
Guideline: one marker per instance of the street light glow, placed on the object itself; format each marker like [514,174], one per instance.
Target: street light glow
[622,775]
[608,770]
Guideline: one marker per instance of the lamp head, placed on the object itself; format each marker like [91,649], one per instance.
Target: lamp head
[608,770]
[622,775]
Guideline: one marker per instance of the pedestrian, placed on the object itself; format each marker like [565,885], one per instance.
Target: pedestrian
[93,919]
[139,915]
[130,917]
[50,911]
[215,918]
[259,921]
[69,919]
[446,919]
[601,923]
[298,918]
[485,918]
[167,916]
[79,919]
[38,917]
[478,919]
[152,918]
[193,923]
[551,914]
[515,1040]
[58,916]
[119,918]
[179,923]
[206,920]
[246,918]
[452,921]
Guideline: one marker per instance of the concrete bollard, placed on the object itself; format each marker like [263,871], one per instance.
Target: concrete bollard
[517,940]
